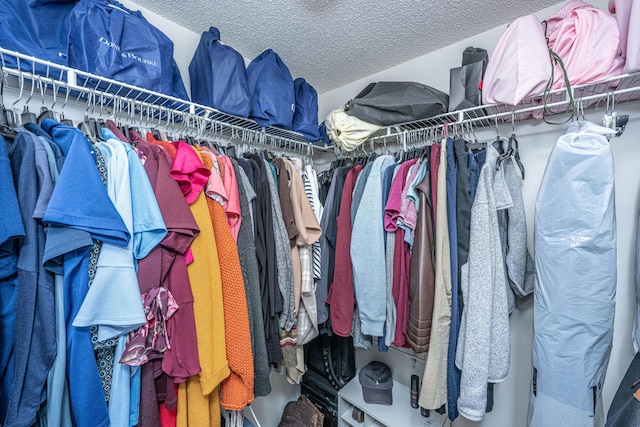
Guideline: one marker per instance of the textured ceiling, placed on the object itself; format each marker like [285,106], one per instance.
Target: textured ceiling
[334,42]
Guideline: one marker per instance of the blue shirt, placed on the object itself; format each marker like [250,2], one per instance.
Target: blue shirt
[11,229]
[34,347]
[80,207]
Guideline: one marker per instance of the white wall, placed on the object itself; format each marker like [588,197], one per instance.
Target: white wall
[536,141]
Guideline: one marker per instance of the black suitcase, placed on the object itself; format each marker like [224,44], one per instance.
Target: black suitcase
[330,362]
[322,394]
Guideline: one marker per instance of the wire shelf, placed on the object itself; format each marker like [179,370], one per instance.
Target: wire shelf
[613,91]
[100,92]
[104,93]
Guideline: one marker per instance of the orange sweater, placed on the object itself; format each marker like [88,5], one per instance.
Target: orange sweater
[198,397]
[236,392]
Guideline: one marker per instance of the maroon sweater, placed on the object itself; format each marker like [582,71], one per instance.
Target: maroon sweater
[341,294]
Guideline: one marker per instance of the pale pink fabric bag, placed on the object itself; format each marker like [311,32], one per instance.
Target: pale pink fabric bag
[587,40]
[520,66]
[628,17]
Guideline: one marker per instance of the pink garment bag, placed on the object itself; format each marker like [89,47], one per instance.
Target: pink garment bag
[587,40]
[628,16]
[520,66]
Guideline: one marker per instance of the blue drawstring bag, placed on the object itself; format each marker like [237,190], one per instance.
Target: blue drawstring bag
[322,130]
[107,39]
[271,85]
[305,118]
[218,76]
[37,28]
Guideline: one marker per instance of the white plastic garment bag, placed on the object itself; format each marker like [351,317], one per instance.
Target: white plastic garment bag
[635,334]
[574,297]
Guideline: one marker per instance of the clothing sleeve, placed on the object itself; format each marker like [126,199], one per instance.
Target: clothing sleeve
[79,199]
[232,209]
[473,341]
[11,225]
[113,300]
[188,171]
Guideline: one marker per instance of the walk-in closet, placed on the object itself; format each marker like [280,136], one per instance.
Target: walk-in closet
[334,214]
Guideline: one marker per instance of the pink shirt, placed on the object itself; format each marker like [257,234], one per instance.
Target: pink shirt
[392,208]
[232,208]
[187,169]
[408,212]
[215,187]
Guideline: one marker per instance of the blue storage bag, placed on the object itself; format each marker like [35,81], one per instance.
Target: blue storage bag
[37,28]
[107,39]
[272,98]
[305,118]
[218,76]
[322,130]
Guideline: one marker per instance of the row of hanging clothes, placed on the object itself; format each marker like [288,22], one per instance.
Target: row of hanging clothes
[427,249]
[147,281]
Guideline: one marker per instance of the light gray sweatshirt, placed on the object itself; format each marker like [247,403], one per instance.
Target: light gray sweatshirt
[367,253]
[483,350]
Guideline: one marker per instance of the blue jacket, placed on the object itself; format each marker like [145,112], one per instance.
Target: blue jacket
[368,253]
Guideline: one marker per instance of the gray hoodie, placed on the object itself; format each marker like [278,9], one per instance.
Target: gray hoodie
[483,351]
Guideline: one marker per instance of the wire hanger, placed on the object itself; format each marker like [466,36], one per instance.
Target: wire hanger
[5,127]
[611,119]
[15,112]
[505,153]
[27,116]
[3,117]
[308,156]
[85,126]
[46,113]
[64,120]
[513,145]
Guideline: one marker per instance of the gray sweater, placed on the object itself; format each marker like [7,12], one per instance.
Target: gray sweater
[513,234]
[483,351]
[285,263]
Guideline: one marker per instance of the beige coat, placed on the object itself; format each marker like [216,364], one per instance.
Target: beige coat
[433,393]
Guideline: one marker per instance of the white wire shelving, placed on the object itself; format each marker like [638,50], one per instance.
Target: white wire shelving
[36,76]
[32,75]
[608,93]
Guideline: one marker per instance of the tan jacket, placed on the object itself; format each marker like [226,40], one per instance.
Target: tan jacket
[433,393]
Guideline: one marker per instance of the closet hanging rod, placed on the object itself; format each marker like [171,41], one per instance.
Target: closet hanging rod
[83,86]
[625,88]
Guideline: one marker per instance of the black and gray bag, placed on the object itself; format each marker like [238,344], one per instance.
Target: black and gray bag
[389,103]
[465,82]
